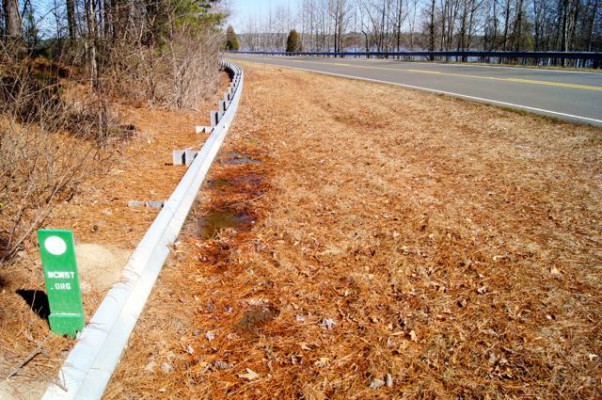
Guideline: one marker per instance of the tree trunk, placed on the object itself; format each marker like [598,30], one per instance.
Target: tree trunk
[91,43]
[13,22]
[71,19]
[399,21]
[518,31]
[432,28]
[590,25]
[506,25]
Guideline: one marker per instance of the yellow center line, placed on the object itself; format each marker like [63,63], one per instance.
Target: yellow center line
[491,78]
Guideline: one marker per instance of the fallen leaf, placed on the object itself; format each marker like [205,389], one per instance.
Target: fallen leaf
[167,367]
[413,336]
[150,367]
[322,362]
[222,365]
[377,384]
[250,375]
[328,323]
[555,272]
[307,346]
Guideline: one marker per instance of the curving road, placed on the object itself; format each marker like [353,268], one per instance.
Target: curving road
[569,95]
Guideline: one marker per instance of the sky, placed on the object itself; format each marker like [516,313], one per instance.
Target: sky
[242,10]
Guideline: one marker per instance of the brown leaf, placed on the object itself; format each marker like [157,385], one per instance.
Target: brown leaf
[250,375]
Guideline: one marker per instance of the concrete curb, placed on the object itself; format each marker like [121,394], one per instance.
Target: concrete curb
[87,370]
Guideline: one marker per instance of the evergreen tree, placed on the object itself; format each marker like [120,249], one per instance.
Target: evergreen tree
[231,39]
[293,42]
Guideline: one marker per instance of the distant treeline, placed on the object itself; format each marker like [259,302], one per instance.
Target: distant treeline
[397,25]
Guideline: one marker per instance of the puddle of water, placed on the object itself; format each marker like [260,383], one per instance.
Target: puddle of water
[247,180]
[238,159]
[218,220]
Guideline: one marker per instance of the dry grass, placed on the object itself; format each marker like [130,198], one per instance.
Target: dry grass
[407,245]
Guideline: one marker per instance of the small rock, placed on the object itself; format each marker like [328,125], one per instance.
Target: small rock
[210,335]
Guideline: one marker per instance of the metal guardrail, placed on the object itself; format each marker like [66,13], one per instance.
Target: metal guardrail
[582,59]
[87,370]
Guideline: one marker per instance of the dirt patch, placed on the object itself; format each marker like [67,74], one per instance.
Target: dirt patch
[34,390]
[454,252]
[100,266]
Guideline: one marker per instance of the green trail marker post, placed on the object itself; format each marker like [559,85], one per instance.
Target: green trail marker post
[62,281]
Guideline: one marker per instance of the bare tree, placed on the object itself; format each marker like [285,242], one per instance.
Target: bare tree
[13,23]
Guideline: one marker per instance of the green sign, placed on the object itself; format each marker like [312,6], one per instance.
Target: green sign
[62,281]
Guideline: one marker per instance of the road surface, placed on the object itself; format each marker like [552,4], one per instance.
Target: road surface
[569,95]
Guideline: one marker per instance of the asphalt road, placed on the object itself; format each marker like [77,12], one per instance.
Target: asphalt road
[569,95]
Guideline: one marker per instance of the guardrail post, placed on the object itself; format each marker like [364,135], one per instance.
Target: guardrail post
[178,157]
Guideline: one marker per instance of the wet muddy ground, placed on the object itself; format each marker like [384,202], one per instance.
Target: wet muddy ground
[231,189]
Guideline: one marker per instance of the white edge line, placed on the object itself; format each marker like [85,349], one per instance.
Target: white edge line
[439,63]
[90,364]
[573,118]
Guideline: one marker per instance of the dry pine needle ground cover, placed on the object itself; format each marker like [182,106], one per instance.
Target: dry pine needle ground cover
[405,245]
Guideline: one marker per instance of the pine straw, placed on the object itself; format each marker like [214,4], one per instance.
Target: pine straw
[430,246]
[97,213]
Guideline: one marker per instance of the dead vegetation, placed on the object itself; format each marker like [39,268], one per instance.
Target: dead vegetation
[93,203]
[453,253]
